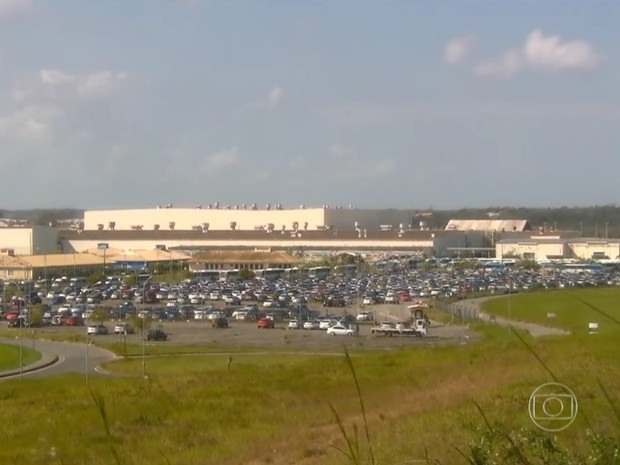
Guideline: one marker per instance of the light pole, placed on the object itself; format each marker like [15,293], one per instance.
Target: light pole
[103,246]
[21,348]
[143,350]
[87,354]
[143,327]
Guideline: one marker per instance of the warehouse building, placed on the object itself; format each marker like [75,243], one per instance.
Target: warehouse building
[257,260]
[43,266]
[556,248]
[430,243]
[29,240]
[488,225]
[244,218]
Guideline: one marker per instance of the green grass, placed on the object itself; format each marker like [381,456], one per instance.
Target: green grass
[275,409]
[9,356]
[572,308]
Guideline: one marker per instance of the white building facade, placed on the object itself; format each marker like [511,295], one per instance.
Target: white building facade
[187,219]
[33,240]
[542,249]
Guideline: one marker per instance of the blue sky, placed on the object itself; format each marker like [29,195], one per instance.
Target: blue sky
[409,104]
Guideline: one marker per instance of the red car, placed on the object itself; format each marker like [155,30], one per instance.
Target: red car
[265,323]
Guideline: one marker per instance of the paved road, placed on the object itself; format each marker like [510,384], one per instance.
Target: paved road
[72,357]
[471,308]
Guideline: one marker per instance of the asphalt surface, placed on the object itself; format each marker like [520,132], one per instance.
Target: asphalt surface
[77,358]
[72,358]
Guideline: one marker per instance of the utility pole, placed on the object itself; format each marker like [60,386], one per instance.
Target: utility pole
[606,230]
[22,320]
[87,354]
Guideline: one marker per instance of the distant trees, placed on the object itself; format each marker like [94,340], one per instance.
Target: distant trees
[36,315]
[245,274]
[141,324]
[100,315]
[95,278]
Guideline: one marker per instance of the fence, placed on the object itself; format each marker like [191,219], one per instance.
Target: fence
[461,309]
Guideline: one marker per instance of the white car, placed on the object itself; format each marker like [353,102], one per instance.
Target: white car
[123,328]
[340,330]
[97,330]
[311,325]
[325,324]
[367,301]
[293,324]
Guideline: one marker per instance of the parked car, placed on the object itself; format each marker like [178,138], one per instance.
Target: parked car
[340,330]
[156,335]
[123,328]
[265,323]
[219,322]
[97,330]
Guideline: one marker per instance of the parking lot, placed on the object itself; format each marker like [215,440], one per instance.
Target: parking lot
[246,334]
[184,309]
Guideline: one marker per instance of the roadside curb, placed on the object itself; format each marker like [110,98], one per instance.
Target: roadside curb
[43,363]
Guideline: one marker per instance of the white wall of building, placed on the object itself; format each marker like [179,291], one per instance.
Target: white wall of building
[542,250]
[367,219]
[79,245]
[29,241]
[586,250]
[218,219]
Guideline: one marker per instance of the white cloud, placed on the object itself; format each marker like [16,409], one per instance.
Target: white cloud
[14,9]
[54,77]
[275,96]
[272,100]
[458,48]
[540,52]
[99,83]
[342,152]
[26,128]
[221,160]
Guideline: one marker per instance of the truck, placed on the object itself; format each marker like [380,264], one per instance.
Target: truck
[418,327]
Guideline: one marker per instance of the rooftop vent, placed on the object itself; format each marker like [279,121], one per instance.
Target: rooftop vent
[171,225]
[156,227]
[112,225]
[99,227]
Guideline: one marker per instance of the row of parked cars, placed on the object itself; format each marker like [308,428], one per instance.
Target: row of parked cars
[286,297]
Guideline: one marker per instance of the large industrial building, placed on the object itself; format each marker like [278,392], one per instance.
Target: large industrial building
[544,248]
[243,218]
[29,240]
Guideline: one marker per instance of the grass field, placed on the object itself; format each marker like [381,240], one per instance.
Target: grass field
[275,409]
[573,309]
[9,356]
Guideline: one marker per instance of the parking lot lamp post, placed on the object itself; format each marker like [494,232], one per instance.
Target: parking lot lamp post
[143,348]
[87,354]
[21,349]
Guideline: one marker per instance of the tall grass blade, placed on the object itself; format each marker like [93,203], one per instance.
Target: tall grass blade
[100,404]
[610,401]
[351,452]
[598,310]
[533,352]
[465,456]
[371,455]
[547,369]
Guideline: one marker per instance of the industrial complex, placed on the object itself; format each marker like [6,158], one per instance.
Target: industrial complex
[135,238]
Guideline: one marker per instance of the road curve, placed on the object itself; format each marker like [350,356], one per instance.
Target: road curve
[72,357]
[472,308]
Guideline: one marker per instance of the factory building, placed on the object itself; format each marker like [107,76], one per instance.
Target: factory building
[244,219]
